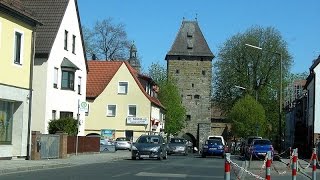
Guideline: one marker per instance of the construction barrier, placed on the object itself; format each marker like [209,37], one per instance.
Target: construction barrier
[314,165]
[268,166]
[294,164]
[227,167]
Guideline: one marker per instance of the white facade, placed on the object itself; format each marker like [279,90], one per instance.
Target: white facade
[316,99]
[157,119]
[47,98]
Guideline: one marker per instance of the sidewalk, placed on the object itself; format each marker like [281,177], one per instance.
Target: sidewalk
[303,166]
[19,165]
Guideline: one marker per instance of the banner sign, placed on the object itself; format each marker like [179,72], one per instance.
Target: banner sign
[108,134]
[137,120]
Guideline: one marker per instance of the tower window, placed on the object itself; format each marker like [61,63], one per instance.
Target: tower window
[203,72]
[196,96]
[189,97]
[177,71]
[192,85]
[188,118]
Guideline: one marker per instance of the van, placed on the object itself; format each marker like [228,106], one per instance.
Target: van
[217,137]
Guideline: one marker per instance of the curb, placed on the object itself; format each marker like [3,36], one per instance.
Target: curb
[32,168]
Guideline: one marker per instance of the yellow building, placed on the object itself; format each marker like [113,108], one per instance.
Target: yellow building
[122,102]
[17,27]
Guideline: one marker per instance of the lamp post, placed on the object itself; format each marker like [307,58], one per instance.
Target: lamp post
[280,92]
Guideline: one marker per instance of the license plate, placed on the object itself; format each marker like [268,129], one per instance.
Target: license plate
[213,148]
[262,153]
[144,156]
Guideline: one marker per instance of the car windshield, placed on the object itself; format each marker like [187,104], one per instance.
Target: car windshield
[251,139]
[148,139]
[179,141]
[214,142]
[123,139]
[218,138]
[261,142]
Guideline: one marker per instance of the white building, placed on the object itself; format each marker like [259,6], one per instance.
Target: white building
[60,69]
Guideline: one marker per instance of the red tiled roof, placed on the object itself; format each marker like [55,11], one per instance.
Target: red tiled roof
[100,74]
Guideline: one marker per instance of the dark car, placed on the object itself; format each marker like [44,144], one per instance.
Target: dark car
[149,146]
[213,147]
[247,145]
[259,148]
[178,146]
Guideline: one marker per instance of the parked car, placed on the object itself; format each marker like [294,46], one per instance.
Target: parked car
[178,146]
[149,146]
[226,147]
[123,143]
[259,148]
[247,145]
[213,147]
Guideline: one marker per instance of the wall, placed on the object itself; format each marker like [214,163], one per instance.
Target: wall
[97,119]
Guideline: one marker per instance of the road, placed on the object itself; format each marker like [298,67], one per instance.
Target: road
[175,167]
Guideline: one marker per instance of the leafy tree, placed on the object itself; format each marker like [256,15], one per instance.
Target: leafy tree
[107,40]
[66,125]
[248,118]
[170,97]
[258,70]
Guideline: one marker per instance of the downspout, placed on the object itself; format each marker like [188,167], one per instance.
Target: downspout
[314,109]
[30,93]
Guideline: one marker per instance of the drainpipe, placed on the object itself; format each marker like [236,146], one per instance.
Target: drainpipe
[30,93]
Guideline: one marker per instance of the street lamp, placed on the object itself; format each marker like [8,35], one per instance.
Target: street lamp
[280,93]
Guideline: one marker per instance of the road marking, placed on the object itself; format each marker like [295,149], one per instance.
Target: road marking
[169,175]
[123,174]
[146,174]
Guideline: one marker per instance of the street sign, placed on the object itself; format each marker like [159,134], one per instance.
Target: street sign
[84,106]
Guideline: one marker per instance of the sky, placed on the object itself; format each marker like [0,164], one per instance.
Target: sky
[153,25]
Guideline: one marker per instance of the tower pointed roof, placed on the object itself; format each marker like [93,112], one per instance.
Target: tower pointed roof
[190,42]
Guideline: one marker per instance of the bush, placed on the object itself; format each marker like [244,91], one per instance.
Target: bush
[66,125]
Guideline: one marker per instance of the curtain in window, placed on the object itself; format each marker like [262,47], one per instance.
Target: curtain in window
[6,120]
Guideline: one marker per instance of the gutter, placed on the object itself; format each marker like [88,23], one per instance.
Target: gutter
[30,94]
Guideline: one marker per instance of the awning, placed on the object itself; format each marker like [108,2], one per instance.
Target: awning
[66,63]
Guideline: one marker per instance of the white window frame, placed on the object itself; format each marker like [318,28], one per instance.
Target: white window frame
[55,77]
[127,89]
[130,106]
[112,114]
[21,47]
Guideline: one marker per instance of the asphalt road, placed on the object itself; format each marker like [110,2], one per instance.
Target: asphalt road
[175,167]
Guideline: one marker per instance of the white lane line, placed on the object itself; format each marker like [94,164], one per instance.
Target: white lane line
[123,174]
[146,174]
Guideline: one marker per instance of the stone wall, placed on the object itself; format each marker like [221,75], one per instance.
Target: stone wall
[193,79]
[204,130]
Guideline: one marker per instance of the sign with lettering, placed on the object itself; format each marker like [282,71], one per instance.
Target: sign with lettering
[137,120]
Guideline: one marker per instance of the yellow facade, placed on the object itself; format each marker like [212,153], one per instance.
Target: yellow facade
[97,118]
[10,73]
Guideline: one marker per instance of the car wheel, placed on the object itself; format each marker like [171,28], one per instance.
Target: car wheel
[160,156]
[133,157]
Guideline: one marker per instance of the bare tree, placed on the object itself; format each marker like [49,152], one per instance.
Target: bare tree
[107,40]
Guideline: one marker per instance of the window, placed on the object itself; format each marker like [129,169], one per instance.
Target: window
[54,114]
[112,110]
[132,110]
[73,44]
[67,81]
[79,85]
[188,118]
[123,88]
[196,96]
[6,121]
[192,85]
[18,41]
[55,78]
[203,72]
[65,114]
[66,40]
[189,97]
[177,71]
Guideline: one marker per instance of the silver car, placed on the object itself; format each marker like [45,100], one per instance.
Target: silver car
[123,143]
[149,146]
[178,146]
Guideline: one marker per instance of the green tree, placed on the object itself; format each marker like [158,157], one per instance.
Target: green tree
[258,70]
[170,97]
[66,125]
[248,118]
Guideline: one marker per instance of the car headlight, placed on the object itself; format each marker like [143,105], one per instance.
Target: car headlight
[205,146]
[134,148]
[220,147]
[155,148]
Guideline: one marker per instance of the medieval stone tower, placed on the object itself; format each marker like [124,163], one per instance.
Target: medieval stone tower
[189,61]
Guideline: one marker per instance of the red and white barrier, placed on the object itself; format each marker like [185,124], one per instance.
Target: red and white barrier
[268,166]
[227,167]
[294,164]
[314,164]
